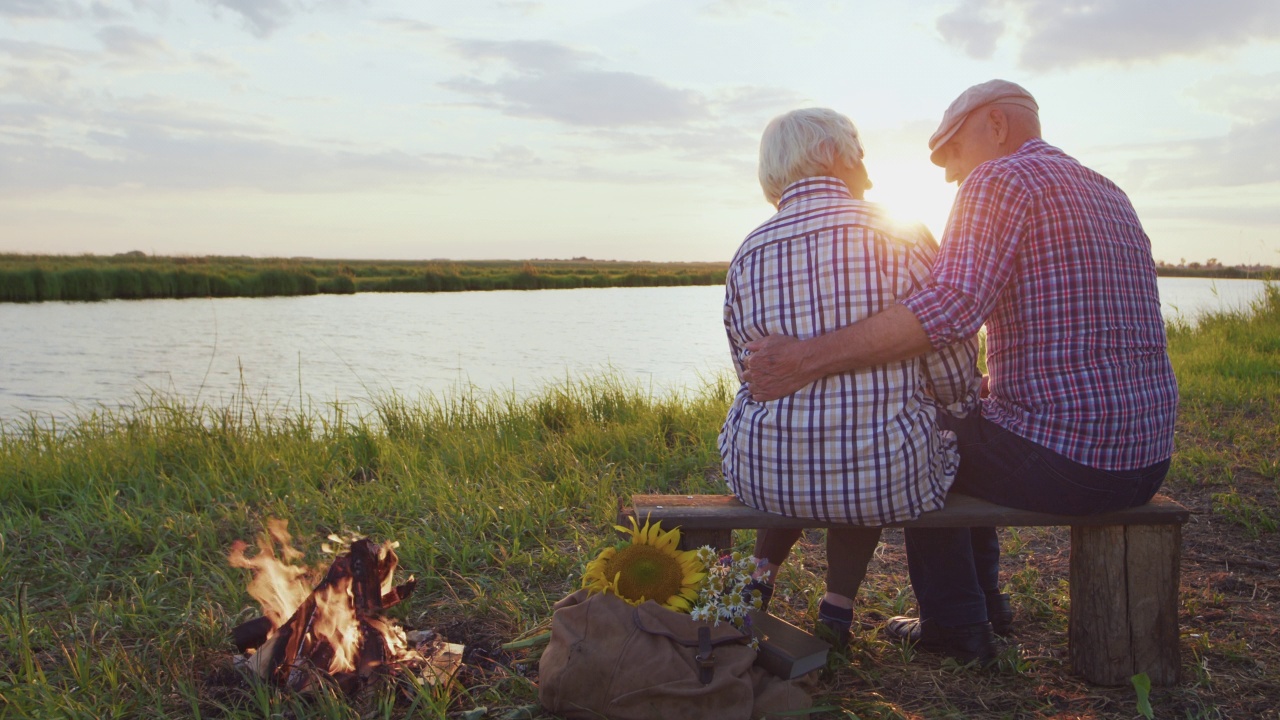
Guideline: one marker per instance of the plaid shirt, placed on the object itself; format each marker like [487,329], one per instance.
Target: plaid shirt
[860,447]
[1052,257]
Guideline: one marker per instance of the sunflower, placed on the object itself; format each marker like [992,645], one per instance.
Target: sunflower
[649,567]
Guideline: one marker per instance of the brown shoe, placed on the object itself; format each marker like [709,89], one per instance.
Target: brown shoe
[964,643]
[1000,613]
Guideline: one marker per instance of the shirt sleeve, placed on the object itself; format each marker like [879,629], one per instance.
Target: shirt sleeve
[951,371]
[953,378]
[977,258]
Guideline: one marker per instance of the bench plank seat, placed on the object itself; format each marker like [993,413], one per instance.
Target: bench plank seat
[726,512]
[1123,578]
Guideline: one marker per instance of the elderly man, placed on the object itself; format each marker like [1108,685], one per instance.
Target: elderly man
[1079,409]
[861,447]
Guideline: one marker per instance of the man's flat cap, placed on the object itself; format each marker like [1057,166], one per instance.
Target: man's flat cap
[991,91]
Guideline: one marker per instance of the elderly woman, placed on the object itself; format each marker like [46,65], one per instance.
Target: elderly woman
[862,447]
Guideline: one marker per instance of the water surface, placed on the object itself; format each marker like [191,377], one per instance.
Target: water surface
[66,358]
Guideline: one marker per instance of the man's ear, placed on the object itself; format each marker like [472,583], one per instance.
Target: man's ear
[999,124]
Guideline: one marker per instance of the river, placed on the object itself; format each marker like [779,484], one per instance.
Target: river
[64,359]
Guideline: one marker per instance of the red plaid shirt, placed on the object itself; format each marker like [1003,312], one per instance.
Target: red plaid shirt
[1052,257]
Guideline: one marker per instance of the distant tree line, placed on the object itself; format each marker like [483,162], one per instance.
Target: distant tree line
[1211,268]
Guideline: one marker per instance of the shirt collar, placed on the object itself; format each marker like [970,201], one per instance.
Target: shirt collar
[822,186]
[1033,145]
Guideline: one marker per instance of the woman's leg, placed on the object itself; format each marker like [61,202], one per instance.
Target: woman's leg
[773,547]
[849,550]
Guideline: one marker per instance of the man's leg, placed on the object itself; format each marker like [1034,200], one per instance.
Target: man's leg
[949,591]
[1009,470]
[955,571]
[949,568]
[944,576]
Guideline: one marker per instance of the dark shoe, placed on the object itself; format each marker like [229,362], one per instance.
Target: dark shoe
[766,593]
[965,643]
[835,625]
[1000,613]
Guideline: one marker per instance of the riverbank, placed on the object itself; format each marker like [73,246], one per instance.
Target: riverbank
[118,598]
[135,275]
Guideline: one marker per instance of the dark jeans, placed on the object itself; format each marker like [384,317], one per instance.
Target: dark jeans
[953,570]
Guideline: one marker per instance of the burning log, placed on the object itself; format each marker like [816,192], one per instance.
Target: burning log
[338,629]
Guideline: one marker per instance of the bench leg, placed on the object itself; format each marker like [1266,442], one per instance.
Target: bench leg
[717,539]
[690,539]
[1124,603]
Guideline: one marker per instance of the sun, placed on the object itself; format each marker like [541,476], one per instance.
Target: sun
[910,190]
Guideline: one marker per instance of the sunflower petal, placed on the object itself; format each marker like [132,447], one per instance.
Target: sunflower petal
[669,540]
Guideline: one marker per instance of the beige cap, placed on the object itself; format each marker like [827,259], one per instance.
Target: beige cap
[991,91]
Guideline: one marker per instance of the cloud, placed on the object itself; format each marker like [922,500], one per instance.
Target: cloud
[1065,33]
[40,9]
[264,17]
[523,8]
[968,27]
[555,82]
[1249,98]
[38,52]
[741,8]
[415,27]
[1246,155]
[130,42]
[137,153]
[260,17]
[758,101]
[38,82]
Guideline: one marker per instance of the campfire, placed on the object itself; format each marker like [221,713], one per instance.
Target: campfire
[334,627]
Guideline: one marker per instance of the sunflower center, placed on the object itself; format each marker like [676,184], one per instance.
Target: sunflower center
[647,572]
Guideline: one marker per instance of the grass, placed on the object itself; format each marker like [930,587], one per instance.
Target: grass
[116,598]
[136,275]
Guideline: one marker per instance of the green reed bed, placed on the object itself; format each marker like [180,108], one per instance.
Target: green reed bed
[116,597]
[132,276]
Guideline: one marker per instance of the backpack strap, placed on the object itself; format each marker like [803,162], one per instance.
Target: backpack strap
[706,657]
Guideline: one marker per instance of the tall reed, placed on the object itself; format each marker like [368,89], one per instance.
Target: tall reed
[37,278]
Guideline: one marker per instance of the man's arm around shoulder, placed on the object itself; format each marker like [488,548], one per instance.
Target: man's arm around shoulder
[779,365]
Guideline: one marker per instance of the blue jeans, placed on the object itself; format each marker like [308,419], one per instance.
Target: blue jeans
[953,570]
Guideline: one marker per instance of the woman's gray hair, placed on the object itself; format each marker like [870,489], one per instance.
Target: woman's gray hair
[805,143]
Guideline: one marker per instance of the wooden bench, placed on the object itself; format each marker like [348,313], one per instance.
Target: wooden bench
[1124,569]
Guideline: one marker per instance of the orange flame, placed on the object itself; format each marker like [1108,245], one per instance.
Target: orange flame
[336,623]
[278,585]
[281,587]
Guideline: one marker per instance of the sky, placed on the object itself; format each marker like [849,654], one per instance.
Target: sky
[608,129]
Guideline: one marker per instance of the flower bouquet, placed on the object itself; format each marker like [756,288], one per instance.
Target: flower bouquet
[655,632]
[701,582]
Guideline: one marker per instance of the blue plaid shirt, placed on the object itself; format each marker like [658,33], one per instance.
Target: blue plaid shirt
[860,447]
